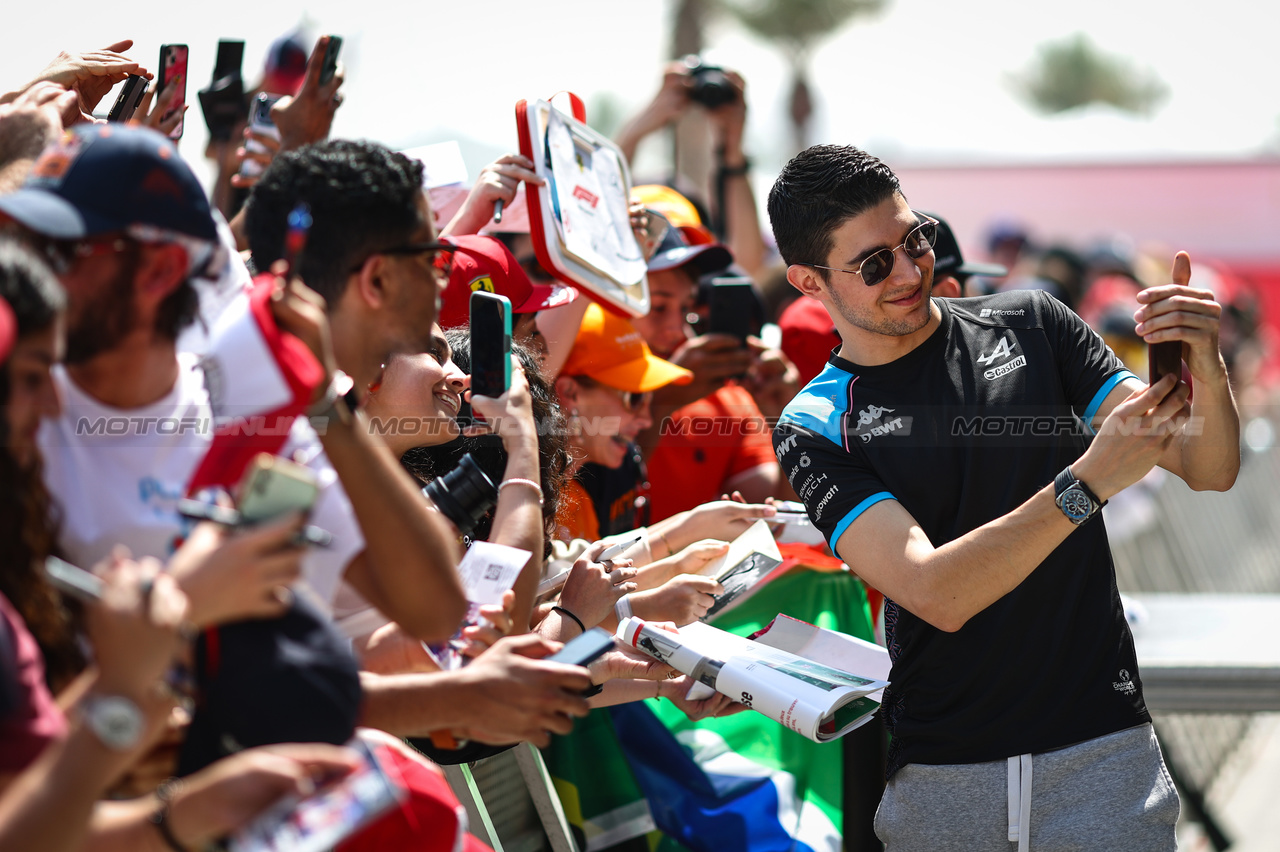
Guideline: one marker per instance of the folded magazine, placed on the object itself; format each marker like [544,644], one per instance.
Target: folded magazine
[816,682]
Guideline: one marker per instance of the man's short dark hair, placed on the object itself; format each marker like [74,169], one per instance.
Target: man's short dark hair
[820,189]
[363,197]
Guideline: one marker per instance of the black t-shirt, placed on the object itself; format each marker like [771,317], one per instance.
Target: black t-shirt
[960,431]
[619,495]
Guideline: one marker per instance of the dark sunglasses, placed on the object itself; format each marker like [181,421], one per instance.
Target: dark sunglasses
[443,261]
[878,265]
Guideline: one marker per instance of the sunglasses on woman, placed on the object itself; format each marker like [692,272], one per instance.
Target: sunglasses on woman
[877,266]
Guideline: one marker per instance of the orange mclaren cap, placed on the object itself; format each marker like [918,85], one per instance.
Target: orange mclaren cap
[610,350]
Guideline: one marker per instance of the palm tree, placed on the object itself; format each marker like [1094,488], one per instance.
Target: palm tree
[797,26]
[1073,72]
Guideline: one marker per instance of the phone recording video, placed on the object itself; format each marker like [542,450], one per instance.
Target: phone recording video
[173,69]
[1162,359]
[260,121]
[330,66]
[130,96]
[490,344]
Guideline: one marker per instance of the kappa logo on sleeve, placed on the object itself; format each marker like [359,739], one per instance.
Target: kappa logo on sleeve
[872,424]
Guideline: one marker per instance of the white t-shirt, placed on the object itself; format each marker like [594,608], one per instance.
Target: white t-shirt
[118,474]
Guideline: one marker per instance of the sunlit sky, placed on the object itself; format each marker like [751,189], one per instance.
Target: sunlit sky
[924,81]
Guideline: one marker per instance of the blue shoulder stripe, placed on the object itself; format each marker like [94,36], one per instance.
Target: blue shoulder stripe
[1101,396]
[821,406]
[855,513]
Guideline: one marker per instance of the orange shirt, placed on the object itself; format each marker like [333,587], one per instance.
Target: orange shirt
[703,445]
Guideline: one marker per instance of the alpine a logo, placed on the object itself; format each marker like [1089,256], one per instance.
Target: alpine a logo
[988,312]
[1004,350]
[872,424]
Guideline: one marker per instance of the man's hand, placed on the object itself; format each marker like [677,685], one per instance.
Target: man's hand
[242,575]
[667,106]
[224,796]
[90,75]
[156,118]
[623,662]
[135,629]
[728,121]
[714,359]
[718,704]
[31,122]
[773,380]
[682,600]
[514,695]
[308,117]
[1133,437]
[1176,311]
[509,416]
[690,560]
[592,588]
[498,181]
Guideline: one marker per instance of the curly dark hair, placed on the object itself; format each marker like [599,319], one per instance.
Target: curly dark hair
[28,518]
[363,198]
[426,463]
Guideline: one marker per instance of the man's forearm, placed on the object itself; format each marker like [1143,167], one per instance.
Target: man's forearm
[1209,448]
[410,554]
[948,585]
[412,705]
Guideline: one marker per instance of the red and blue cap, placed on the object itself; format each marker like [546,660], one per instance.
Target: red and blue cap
[103,178]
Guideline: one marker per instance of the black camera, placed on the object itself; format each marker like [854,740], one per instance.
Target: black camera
[711,87]
[464,494]
[223,101]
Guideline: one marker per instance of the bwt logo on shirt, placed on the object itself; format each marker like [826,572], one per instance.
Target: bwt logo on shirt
[871,424]
[988,312]
[786,445]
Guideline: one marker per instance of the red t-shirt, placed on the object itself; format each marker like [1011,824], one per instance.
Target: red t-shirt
[31,720]
[706,443]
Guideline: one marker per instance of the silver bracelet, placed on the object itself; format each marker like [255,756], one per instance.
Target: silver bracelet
[537,489]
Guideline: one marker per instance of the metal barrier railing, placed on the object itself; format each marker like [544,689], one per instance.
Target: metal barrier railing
[1167,538]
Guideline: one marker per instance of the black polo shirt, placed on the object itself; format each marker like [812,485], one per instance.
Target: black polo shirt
[960,431]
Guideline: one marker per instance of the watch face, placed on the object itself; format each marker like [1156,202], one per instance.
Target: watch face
[117,721]
[1076,504]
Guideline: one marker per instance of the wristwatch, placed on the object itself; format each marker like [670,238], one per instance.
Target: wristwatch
[1074,498]
[115,720]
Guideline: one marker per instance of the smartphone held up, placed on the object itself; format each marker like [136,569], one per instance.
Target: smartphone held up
[173,74]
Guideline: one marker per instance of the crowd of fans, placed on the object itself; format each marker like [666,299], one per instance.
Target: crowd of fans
[115,264]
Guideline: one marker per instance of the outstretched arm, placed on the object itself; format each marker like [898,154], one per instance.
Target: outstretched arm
[948,585]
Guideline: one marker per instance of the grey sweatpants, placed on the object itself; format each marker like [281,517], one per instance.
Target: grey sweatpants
[1112,792]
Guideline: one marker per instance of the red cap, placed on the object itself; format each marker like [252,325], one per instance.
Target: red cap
[484,263]
[808,336]
[8,330]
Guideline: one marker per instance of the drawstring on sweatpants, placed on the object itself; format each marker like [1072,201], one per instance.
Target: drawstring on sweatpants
[1020,801]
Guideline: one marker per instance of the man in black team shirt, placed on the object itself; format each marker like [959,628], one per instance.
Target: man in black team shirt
[944,453]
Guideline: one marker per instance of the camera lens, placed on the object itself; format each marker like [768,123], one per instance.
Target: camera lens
[464,494]
[711,87]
